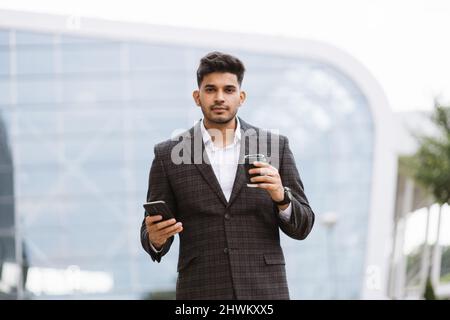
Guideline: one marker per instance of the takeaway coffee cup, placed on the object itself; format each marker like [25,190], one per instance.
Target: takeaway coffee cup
[248,164]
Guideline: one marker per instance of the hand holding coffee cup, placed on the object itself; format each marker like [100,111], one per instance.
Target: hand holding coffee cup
[249,160]
[261,174]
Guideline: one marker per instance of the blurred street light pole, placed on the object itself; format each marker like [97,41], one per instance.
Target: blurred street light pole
[329,220]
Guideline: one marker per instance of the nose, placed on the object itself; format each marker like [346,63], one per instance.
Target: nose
[219,97]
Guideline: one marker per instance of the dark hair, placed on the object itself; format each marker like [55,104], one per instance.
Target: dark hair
[220,62]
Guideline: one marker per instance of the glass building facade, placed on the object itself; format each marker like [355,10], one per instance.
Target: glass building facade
[80,116]
[7,239]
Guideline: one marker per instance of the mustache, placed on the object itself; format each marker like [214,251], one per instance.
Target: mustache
[215,106]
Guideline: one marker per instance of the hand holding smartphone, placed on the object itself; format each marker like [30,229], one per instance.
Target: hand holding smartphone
[159,207]
[160,230]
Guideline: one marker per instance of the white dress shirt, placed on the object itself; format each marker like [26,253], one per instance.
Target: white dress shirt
[224,162]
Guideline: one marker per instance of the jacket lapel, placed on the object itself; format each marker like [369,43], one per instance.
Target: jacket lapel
[202,162]
[247,133]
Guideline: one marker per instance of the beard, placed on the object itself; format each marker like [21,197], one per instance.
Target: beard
[220,118]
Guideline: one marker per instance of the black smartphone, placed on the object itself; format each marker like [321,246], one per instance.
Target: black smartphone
[159,207]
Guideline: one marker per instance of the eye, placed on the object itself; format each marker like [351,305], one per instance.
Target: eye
[209,89]
[229,90]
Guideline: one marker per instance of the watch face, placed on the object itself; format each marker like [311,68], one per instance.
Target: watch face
[287,197]
[288,192]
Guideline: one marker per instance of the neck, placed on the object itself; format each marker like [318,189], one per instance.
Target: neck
[227,131]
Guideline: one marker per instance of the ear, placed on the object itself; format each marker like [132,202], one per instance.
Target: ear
[242,96]
[196,96]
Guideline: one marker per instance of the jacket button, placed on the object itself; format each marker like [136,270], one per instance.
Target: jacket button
[227,216]
[226,250]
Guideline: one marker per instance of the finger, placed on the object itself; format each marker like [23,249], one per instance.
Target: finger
[174,232]
[171,229]
[266,179]
[164,224]
[152,219]
[267,171]
[261,164]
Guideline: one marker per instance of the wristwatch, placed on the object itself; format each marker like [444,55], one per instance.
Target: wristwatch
[287,197]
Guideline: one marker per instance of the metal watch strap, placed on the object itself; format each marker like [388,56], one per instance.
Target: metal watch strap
[286,199]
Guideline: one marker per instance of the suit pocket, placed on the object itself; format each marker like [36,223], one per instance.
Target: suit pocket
[185,261]
[274,258]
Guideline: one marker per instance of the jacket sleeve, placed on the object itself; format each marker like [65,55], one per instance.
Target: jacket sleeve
[302,217]
[158,189]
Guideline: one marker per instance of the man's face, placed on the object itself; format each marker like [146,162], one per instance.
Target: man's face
[219,96]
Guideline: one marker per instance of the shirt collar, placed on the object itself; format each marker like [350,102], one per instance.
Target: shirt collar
[207,138]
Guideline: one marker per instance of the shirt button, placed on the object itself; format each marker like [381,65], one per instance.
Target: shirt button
[226,250]
[227,216]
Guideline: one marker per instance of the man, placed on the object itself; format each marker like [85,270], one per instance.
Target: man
[229,232]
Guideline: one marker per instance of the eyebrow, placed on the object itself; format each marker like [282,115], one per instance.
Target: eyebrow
[226,86]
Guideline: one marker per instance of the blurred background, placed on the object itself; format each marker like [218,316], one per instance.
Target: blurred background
[361,89]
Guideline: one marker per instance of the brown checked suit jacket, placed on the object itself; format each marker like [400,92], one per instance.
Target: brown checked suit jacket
[228,250]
